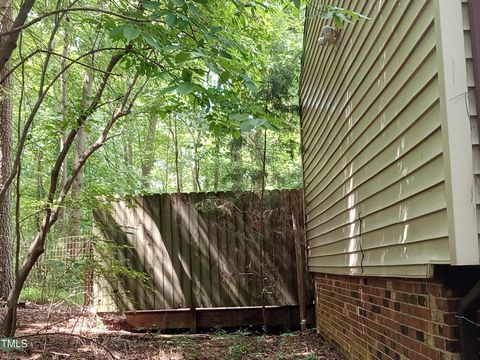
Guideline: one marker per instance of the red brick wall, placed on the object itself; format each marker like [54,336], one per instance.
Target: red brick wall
[388,318]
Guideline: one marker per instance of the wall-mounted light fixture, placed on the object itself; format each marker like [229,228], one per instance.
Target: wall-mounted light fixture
[328,35]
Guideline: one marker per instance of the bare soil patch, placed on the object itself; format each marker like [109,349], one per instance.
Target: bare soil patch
[59,332]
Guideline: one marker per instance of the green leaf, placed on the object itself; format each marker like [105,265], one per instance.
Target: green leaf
[170,19]
[197,54]
[150,40]
[117,33]
[240,117]
[152,5]
[193,9]
[297,3]
[214,68]
[251,124]
[179,2]
[182,24]
[224,76]
[188,87]
[186,75]
[168,89]
[182,57]
[200,72]
[225,54]
[270,126]
[131,33]
[251,86]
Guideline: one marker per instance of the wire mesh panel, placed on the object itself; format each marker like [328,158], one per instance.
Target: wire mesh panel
[62,272]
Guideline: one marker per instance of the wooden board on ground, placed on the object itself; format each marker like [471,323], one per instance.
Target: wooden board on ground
[286,317]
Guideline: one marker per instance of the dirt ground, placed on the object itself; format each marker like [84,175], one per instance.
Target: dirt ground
[56,332]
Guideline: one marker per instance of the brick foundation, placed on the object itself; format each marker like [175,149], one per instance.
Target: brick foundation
[391,318]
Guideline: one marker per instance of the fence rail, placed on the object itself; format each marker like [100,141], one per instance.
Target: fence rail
[202,250]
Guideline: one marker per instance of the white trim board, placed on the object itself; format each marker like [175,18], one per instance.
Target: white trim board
[457,147]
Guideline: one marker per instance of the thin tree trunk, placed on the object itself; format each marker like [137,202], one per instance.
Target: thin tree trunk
[128,151]
[19,174]
[149,152]
[77,185]
[197,187]
[194,177]
[40,186]
[236,160]
[18,239]
[80,142]
[177,155]
[167,159]
[63,112]
[216,175]
[196,166]
[5,168]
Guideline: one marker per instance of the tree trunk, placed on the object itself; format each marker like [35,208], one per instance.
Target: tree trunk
[167,159]
[40,186]
[216,175]
[77,185]
[178,171]
[149,152]
[36,249]
[236,171]
[128,151]
[196,169]
[63,111]
[5,168]
[197,186]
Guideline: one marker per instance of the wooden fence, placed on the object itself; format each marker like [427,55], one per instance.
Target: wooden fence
[201,250]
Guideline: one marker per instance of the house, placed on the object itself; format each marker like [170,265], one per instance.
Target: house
[391,161]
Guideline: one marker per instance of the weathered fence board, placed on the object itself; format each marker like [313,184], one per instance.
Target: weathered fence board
[202,250]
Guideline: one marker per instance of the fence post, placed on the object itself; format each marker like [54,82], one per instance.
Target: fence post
[297,213]
[88,300]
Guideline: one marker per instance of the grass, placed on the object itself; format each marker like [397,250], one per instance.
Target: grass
[40,295]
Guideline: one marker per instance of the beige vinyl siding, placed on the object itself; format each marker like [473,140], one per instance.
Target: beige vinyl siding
[372,143]
[472,109]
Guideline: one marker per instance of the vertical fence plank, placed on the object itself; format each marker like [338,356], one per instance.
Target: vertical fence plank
[138,245]
[272,246]
[205,286]
[126,218]
[254,256]
[167,251]
[296,209]
[223,253]
[194,249]
[230,252]
[214,258]
[240,240]
[288,256]
[148,219]
[176,256]
[182,228]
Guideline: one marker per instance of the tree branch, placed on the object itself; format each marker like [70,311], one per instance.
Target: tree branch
[9,42]
[73,9]
[74,61]
[33,113]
